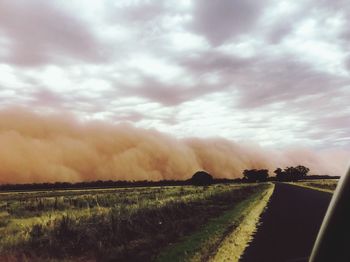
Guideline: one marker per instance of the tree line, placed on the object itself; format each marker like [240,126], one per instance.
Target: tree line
[115,184]
[287,174]
[199,178]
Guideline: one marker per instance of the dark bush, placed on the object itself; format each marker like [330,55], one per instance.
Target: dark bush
[255,175]
[201,178]
[291,173]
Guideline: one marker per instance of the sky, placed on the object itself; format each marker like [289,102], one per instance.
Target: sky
[275,73]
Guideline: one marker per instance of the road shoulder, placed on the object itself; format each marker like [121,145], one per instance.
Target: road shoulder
[235,243]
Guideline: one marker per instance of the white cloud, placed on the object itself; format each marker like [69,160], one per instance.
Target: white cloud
[155,66]
[308,43]
[185,41]
[269,72]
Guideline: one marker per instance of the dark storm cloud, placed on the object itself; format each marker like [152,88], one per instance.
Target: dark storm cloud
[165,94]
[223,20]
[347,63]
[337,120]
[264,79]
[140,12]
[40,32]
[47,97]
[214,61]
[285,81]
[276,32]
[135,117]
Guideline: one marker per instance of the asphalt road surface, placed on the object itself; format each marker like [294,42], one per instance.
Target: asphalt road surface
[289,226]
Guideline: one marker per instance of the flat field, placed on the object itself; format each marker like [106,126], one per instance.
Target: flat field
[118,224]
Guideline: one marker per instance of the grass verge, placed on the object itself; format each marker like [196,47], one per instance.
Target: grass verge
[324,186]
[235,243]
[203,244]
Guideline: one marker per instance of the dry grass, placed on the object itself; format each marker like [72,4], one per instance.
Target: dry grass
[120,224]
[325,185]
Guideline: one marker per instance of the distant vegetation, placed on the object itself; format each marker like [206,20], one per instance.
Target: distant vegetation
[249,175]
[288,174]
[255,175]
[291,173]
[201,178]
[107,184]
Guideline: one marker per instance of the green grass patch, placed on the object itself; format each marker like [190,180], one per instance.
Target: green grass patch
[235,243]
[202,244]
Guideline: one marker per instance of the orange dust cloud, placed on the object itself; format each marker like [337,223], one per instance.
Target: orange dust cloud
[37,148]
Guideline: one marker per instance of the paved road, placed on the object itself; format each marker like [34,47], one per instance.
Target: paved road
[289,226]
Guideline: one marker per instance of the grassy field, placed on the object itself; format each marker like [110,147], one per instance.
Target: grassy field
[326,185]
[125,224]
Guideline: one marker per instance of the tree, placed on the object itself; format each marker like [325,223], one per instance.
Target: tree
[279,174]
[201,178]
[301,171]
[291,173]
[255,175]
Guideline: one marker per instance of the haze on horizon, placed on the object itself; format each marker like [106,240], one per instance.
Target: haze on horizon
[274,74]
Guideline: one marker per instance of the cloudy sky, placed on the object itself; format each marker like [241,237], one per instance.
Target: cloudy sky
[272,72]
